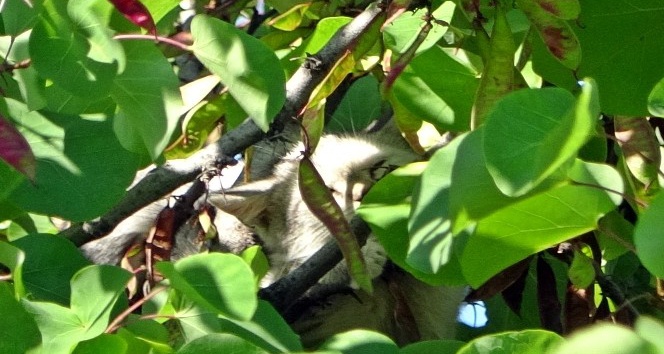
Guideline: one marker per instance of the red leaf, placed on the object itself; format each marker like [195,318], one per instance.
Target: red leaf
[137,13]
[14,150]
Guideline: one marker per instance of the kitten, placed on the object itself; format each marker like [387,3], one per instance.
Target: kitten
[401,306]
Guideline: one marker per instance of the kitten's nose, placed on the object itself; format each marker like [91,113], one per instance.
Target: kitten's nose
[359,190]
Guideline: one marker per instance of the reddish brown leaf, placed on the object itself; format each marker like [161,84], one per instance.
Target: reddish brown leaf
[547,296]
[159,243]
[640,149]
[137,13]
[14,150]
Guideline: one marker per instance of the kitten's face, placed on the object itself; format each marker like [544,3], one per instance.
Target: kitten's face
[349,166]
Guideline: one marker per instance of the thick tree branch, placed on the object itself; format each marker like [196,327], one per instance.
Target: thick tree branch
[164,179]
[287,290]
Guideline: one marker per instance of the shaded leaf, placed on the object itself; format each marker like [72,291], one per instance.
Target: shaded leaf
[49,265]
[433,347]
[524,342]
[647,237]
[320,201]
[18,330]
[105,343]
[76,158]
[220,342]
[19,16]
[581,271]
[361,342]
[249,69]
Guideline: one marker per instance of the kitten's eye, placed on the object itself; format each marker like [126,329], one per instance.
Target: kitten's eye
[380,169]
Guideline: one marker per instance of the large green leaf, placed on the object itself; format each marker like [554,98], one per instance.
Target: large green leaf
[648,237]
[218,343]
[540,221]
[532,133]
[524,342]
[627,75]
[606,338]
[72,47]
[401,32]
[387,207]
[76,159]
[18,331]
[267,330]
[361,341]
[94,291]
[50,263]
[249,69]
[218,282]
[361,105]
[148,96]
[19,16]
[105,343]
[438,89]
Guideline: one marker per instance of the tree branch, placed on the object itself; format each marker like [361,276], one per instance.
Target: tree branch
[164,179]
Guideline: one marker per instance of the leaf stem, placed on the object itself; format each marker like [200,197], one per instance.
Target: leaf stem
[113,326]
[158,39]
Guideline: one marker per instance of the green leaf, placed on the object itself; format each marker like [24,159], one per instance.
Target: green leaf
[249,69]
[76,158]
[524,342]
[267,330]
[445,103]
[142,334]
[540,221]
[581,271]
[257,261]
[18,331]
[433,347]
[220,343]
[50,262]
[656,100]
[105,343]
[148,96]
[219,282]
[531,133]
[625,78]
[361,341]
[361,105]
[605,338]
[13,258]
[386,208]
[27,79]
[401,32]
[19,16]
[647,237]
[324,31]
[74,49]
[94,291]
[651,330]
[322,204]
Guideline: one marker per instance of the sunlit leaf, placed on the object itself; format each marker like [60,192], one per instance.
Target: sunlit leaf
[249,69]
[13,258]
[605,338]
[361,342]
[524,342]
[220,342]
[532,133]
[218,282]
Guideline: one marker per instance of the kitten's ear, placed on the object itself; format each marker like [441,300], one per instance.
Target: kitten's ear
[245,202]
